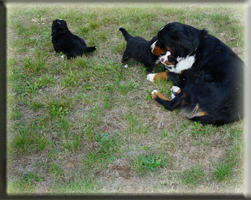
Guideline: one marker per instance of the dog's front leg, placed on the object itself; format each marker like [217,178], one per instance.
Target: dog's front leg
[161,75]
[166,75]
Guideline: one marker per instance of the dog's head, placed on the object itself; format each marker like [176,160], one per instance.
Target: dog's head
[59,26]
[177,38]
[168,60]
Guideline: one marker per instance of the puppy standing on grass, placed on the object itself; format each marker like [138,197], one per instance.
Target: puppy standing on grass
[139,49]
[65,41]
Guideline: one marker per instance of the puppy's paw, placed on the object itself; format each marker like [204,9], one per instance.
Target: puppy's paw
[174,91]
[150,77]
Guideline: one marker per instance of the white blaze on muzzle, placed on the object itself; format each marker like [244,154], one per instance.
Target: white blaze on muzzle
[165,57]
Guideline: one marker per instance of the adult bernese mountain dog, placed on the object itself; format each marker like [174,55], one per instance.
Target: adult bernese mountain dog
[65,41]
[140,50]
[207,75]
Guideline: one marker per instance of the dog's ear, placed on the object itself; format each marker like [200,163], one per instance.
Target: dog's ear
[154,39]
[184,41]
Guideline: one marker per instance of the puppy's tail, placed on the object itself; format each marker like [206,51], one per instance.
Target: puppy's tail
[90,49]
[126,35]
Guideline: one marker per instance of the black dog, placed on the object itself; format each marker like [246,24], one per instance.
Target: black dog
[209,75]
[139,49]
[70,44]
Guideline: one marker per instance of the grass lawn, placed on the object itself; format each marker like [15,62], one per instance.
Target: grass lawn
[88,125]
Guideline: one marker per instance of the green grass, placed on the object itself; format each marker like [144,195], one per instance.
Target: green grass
[92,112]
[192,176]
[148,162]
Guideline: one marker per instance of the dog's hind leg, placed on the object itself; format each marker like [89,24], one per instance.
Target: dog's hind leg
[168,104]
[125,58]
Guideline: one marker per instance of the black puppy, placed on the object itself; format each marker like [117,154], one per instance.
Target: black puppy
[139,49]
[70,44]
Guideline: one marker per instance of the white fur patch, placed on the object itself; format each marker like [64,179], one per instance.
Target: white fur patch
[154,92]
[183,64]
[161,28]
[125,66]
[179,59]
[150,77]
[174,90]
[153,45]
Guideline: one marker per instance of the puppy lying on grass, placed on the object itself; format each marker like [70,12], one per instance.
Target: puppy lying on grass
[140,50]
[68,43]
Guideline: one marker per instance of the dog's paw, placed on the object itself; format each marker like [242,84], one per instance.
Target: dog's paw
[174,91]
[153,93]
[125,66]
[150,77]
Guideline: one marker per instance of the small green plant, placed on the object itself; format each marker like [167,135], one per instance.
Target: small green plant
[58,111]
[124,88]
[192,176]
[149,95]
[32,177]
[36,65]
[108,144]
[56,170]
[29,178]
[21,141]
[223,170]
[40,141]
[149,162]
[86,185]
[32,88]
[198,129]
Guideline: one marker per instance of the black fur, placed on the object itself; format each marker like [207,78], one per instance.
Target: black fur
[139,49]
[215,80]
[64,41]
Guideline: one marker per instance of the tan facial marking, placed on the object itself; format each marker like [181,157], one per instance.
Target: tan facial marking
[158,51]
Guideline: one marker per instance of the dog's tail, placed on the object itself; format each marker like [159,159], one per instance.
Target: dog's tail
[126,35]
[192,110]
[90,49]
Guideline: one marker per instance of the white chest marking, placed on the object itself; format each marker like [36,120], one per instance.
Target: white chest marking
[153,45]
[183,64]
